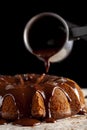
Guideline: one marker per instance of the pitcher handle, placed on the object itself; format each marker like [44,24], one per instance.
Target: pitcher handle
[78,32]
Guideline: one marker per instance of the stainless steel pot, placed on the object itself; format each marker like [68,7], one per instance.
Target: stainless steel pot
[71,34]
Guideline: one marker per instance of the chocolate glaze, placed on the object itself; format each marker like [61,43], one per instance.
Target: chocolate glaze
[86,96]
[26,122]
[2,122]
[22,89]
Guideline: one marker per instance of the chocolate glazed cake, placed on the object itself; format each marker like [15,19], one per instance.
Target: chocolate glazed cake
[29,99]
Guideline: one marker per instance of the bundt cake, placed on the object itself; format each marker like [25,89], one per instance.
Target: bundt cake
[29,99]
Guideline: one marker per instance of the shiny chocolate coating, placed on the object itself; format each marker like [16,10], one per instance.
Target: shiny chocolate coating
[22,88]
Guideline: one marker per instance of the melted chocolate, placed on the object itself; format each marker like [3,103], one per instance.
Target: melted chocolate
[45,55]
[26,122]
[22,89]
[2,122]
[86,96]
[49,120]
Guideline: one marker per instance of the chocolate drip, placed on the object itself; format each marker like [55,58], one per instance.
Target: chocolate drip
[22,89]
[45,54]
[86,96]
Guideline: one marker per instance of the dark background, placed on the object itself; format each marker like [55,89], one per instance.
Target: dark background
[15,59]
